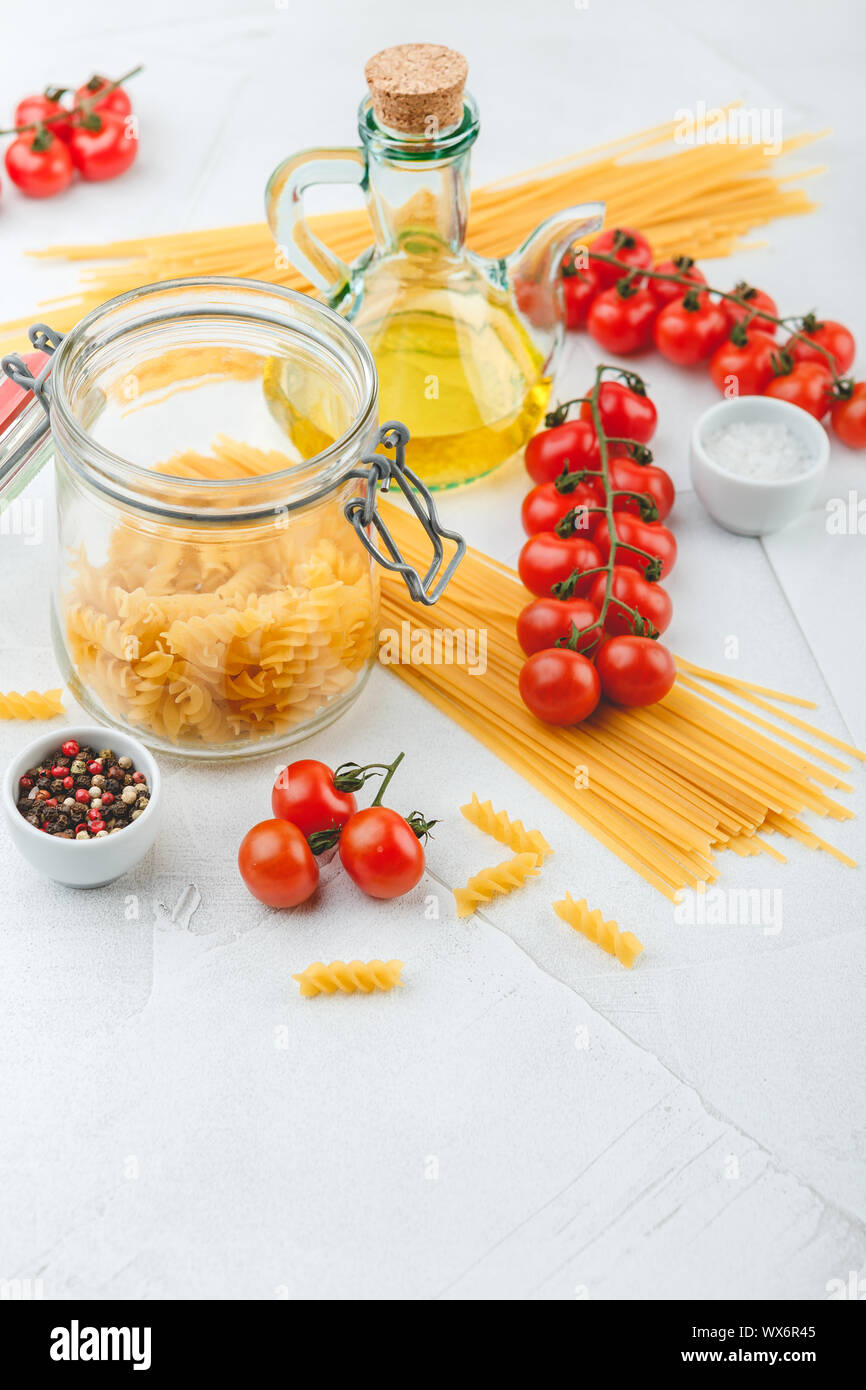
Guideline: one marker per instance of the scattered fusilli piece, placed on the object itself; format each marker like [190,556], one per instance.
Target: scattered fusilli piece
[506,831]
[46,704]
[622,944]
[349,977]
[489,883]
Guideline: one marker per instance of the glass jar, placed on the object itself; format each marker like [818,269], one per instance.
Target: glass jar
[216,586]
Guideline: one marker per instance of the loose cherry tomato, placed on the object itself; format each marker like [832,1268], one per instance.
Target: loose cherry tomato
[626,474]
[690,329]
[381,852]
[625,413]
[277,865]
[631,590]
[547,559]
[579,289]
[116,100]
[635,671]
[546,621]
[646,535]
[621,319]
[667,291]
[572,444]
[751,301]
[34,110]
[39,164]
[832,336]
[848,417]
[560,686]
[106,152]
[304,793]
[630,248]
[545,505]
[807,386]
[743,369]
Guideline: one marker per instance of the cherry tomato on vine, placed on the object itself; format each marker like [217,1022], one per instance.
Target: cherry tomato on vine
[630,248]
[544,505]
[116,100]
[572,444]
[106,152]
[635,671]
[579,288]
[667,291]
[381,852]
[625,473]
[751,300]
[548,559]
[41,107]
[848,417]
[743,369]
[832,336]
[632,590]
[646,535]
[622,321]
[304,793]
[625,413]
[277,864]
[689,330]
[560,686]
[39,164]
[546,621]
[807,386]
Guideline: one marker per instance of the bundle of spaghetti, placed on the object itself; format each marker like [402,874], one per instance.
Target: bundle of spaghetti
[702,199]
[663,787]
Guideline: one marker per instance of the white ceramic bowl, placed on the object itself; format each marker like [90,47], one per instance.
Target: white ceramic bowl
[76,863]
[755,506]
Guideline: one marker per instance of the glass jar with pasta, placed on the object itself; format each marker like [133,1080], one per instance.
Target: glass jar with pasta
[215,446]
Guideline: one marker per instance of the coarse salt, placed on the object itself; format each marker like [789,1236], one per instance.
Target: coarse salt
[755,449]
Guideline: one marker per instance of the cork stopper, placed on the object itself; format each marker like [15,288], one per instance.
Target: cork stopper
[417,88]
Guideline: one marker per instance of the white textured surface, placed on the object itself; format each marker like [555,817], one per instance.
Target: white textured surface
[524,1119]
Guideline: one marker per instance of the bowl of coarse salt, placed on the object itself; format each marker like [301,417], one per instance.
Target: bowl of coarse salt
[756,462]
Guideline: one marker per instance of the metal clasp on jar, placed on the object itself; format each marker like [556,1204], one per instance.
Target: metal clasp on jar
[363,513]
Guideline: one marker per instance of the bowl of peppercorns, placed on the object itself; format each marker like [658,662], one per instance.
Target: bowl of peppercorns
[83,805]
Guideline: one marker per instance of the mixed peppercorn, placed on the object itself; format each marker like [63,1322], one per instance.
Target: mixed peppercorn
[80,794]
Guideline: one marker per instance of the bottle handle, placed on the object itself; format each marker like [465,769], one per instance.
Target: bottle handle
[284,202]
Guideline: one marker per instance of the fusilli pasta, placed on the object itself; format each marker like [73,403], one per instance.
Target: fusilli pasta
[506,831]
[622,944]
[489,883]
[35,704]
[350,977]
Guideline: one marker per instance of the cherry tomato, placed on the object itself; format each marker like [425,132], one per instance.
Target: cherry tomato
[621,322]
[537,302]
[667,291]
[572,444]
[104,153]
[646,535]
[41,107]
[39,172]
[807,386]
[560,686]
[547,559]
[624,473]
[116,101]
[625,413]
[743,369]
[631,249]
[579,289]
[304,793]
[635,670]
[545,621]
[690,329]
[848,417]
[381,852]
[631,589]
[751,300]
[545,505]
[277,865]
[830,335]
